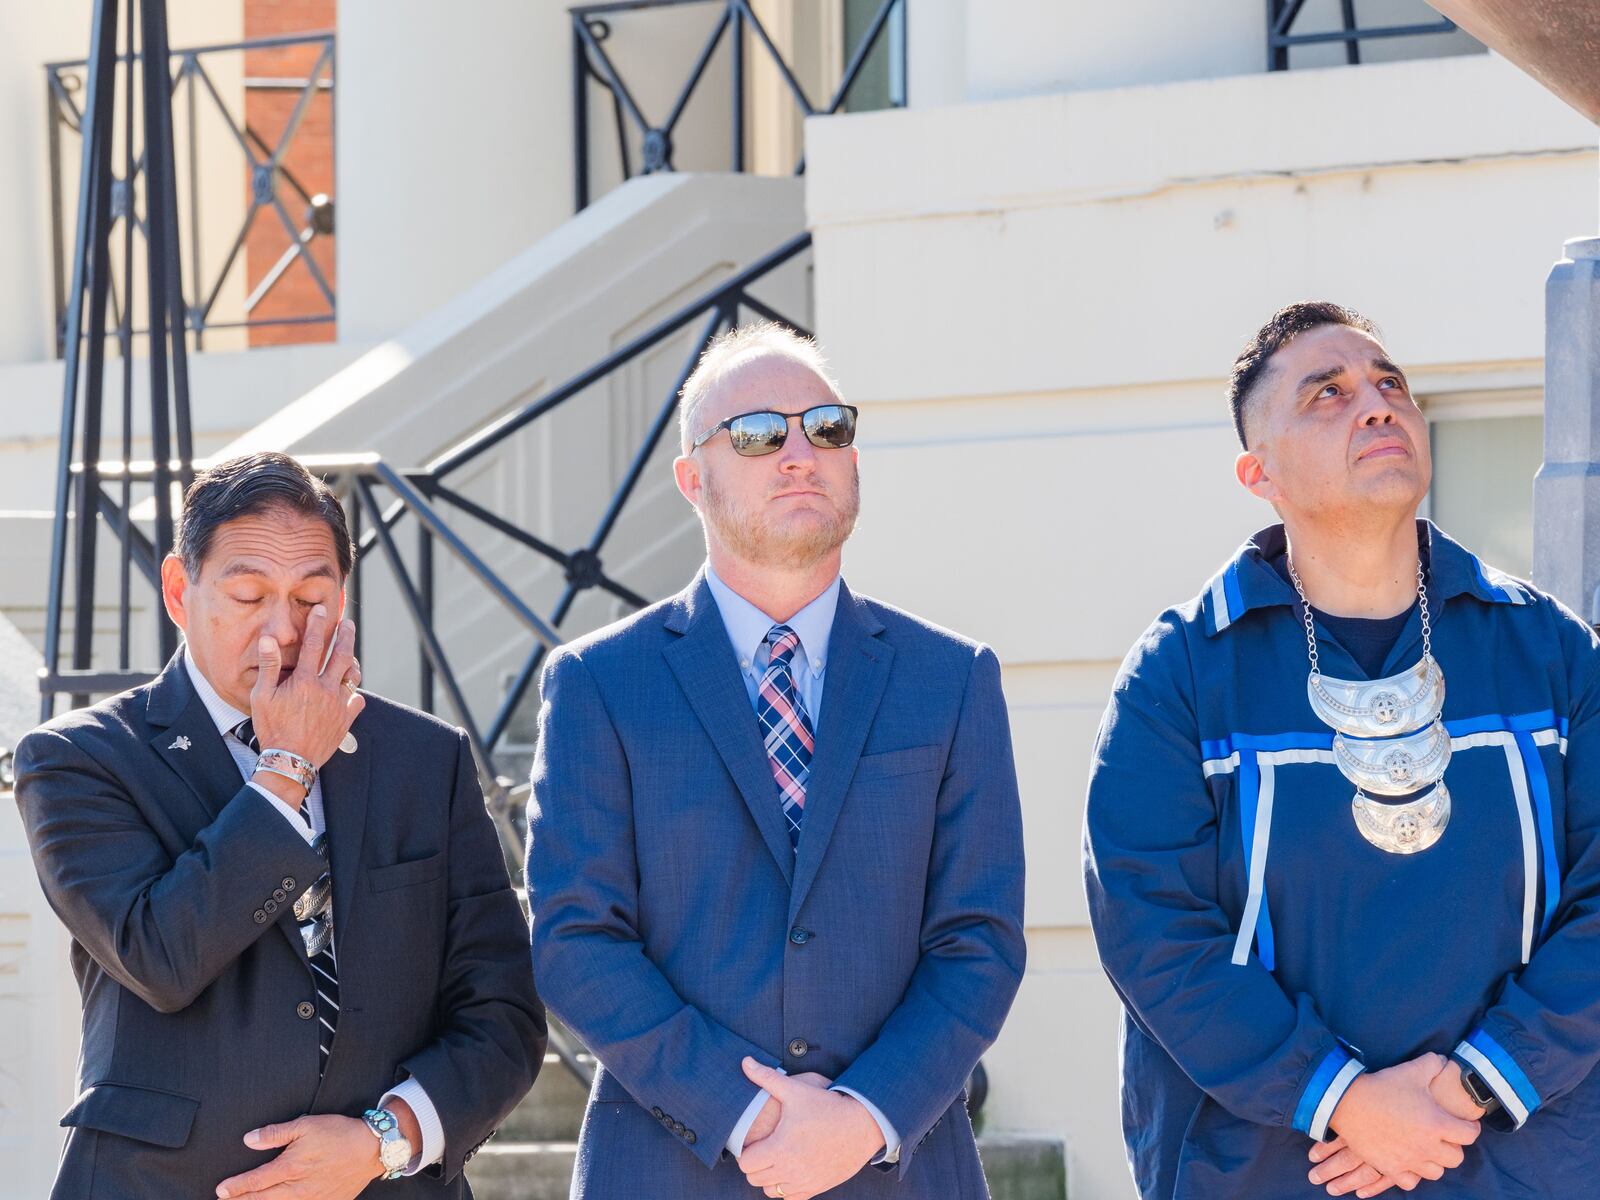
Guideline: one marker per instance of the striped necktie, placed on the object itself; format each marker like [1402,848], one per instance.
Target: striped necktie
[313,909]
[786,728]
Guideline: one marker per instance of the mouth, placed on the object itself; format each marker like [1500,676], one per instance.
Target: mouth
[1384,450]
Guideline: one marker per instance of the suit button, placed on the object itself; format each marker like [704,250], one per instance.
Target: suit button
[305,1010]
[279,895]
[677,1128]
[270,906]
[288,883]
[657,1113]
[690,1137]
[799,936]
[259,917]
[799,1048]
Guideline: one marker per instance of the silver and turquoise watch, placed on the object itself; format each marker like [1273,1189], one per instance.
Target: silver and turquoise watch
[394,1151]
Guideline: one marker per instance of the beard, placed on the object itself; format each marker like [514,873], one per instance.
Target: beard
[794,541]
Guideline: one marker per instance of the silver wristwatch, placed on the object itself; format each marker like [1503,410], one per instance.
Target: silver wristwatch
[394,1151]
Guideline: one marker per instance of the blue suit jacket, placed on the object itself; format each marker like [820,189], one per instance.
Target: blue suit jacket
[676,930]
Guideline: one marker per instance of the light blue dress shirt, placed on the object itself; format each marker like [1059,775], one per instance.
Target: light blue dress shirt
[747,628]
[227,718]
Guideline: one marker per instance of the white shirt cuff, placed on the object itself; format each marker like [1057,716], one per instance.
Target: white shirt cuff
[891,1139]
[294,818]
[432,1149]
[742,1129]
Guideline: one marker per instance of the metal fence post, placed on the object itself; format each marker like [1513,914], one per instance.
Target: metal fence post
[1566,492]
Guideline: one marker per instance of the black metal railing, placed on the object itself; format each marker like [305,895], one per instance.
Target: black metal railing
[306,217]
[1282,15]
[736,24]
[380,496]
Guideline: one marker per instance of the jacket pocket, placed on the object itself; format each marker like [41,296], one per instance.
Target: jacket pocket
[131,1111]
[899,762]
[404,874]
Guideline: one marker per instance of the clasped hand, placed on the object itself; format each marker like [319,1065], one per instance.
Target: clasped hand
[1396,1128]
[806,1139]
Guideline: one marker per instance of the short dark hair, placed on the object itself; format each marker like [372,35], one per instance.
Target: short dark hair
[247,486]
[1281,328]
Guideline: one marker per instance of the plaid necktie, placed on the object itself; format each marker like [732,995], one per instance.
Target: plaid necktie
[786,728]
[313,909]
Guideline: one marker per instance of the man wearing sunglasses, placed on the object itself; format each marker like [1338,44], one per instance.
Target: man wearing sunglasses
[775,849]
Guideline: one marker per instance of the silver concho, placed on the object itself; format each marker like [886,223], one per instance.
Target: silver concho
[1403,828]
[1379,708]
[1394,766]
[1388,738]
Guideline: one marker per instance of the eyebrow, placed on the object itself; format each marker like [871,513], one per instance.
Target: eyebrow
[320,571]
[1329,374]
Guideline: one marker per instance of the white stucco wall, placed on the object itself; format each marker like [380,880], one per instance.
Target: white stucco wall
[1036,302]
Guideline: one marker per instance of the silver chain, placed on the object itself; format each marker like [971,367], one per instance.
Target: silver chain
[1311,630]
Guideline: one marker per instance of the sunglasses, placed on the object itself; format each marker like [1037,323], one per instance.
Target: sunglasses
[752,434]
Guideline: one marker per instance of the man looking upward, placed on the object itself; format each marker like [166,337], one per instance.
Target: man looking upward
[1351,914]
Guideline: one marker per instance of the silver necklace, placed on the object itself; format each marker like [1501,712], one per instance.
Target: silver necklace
[1389,739]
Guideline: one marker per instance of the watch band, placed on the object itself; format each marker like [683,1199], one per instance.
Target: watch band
[290,765]
[1482,1095]
[394,1150]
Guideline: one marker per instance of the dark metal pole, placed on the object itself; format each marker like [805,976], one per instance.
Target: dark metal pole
[102,64]
[580,119]
[161,226]
[88,483]
[425,581]
[125,350]
[736,77]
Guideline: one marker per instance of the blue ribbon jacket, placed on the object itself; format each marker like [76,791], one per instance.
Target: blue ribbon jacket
[1266,953]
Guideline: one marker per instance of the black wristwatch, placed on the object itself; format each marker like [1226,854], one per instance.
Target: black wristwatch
[1479,1090]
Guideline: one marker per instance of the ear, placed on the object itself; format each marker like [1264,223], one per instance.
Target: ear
[1250,469]
[175,590]
[686,471]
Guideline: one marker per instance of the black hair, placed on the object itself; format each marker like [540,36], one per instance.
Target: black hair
[247,486]
[1281,328]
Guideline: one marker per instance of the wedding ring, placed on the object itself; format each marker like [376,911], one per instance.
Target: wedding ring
[350,687]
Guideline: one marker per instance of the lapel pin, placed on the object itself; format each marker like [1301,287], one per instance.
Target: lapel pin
[179,743]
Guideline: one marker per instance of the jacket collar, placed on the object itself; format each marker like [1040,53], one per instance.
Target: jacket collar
[1250,580]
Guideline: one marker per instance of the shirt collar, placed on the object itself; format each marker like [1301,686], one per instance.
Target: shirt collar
[1249,580]
[748,626]
[224,715]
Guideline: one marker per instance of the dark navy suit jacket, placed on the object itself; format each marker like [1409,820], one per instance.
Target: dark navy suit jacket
[177,885]
[676,930]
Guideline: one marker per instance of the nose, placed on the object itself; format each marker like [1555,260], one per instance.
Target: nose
[282,623]
[1374,407]
[797,453]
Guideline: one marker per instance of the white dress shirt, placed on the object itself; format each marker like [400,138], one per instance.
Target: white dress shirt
[747,628]
[227,718]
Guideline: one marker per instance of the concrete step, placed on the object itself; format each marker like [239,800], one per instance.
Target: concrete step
[1018,1166]
[552,1112]
[505,1170]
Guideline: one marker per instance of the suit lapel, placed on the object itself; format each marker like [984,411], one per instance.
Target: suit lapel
[346,786]
[187,739]
[858,671]
[702,659]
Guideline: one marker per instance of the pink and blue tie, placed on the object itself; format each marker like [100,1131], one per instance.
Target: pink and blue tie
[786,728]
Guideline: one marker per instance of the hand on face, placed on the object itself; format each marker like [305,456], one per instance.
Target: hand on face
[309,712]
[1393,1132]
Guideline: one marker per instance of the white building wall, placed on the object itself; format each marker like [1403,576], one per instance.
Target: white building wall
[1036,301]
